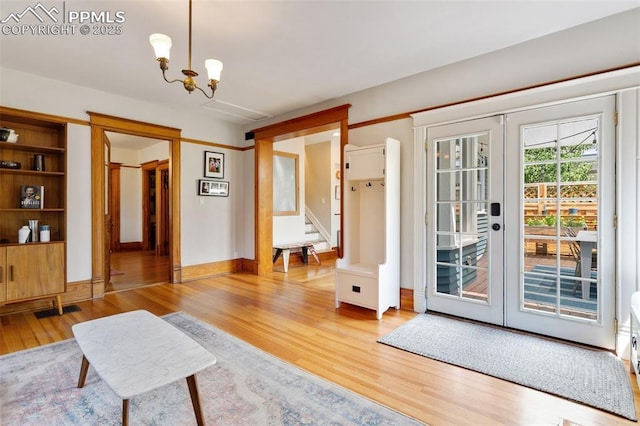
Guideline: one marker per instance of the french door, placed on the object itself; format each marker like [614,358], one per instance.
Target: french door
[560,262]
[465,236]
[520,228]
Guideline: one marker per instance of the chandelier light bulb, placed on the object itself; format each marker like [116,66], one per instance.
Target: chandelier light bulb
[214,69]
[161,45]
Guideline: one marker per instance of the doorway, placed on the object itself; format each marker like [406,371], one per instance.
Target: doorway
[526,239]
[101,224]
[334,118]
[138,200]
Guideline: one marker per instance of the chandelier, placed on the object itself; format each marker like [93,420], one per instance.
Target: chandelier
[162,44]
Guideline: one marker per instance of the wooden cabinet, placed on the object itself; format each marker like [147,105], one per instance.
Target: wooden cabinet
[368,274]
[33,270]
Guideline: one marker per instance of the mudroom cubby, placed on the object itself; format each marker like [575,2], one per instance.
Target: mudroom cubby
[368,275]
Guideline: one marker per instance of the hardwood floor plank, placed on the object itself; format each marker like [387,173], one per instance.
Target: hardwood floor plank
[292,317]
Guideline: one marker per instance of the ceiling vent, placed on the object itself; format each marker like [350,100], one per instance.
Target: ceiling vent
[235,110]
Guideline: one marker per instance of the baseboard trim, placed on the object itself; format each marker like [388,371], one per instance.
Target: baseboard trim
[206,270]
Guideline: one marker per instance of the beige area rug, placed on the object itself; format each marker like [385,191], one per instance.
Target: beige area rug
[246,386]
[592,377]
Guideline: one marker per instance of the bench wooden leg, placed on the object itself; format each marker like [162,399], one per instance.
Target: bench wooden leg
[313,252]
[83,371]
[277,255]
[195,399]
[125,412]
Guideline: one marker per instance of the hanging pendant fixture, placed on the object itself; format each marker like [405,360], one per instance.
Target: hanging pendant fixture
[162,45]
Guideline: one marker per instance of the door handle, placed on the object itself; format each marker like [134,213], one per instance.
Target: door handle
[495,226]
[495,209]
[11,273]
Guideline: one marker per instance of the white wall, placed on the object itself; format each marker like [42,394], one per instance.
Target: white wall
[130,204]
[209,224]
[33,93]
[78,194]
[245,233]
[130,194]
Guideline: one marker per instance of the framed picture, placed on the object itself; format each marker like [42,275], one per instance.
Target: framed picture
[213,188]
[213,165]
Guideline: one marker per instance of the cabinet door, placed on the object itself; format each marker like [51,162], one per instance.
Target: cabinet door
[35,270]
[3,274]
[365,163]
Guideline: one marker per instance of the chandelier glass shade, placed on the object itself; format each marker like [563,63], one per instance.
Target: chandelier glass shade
[162,46]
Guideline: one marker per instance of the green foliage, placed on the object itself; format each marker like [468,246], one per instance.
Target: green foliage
[548,220]
[569,172]
[574,222]
[535,221]
[551,220]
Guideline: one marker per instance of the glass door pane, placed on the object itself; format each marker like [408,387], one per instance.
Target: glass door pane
[560,217]
[461,216]
[560,182]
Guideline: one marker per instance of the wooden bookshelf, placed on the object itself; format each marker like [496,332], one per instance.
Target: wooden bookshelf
[35,269]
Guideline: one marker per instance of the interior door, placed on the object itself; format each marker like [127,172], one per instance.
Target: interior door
[465,239]
[163,210]
[114,207]
[560,191]
[107,207]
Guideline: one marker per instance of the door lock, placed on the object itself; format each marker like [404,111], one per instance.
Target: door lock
[495,226]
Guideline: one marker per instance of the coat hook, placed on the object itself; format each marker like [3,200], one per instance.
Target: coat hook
[368,183]
[381,183]
[353,189]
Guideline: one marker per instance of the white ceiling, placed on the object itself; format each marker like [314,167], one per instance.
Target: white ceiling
[278,55]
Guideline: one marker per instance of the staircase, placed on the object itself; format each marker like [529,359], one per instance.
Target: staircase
[312,235]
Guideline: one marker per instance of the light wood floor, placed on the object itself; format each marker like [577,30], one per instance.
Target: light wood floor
[293,317]
[135,269]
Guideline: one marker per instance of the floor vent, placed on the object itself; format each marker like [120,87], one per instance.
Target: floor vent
[54,311]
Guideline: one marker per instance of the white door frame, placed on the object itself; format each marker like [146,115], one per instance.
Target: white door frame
[490,310]
[599,333]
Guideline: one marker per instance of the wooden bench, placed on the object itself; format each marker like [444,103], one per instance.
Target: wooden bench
[286,249]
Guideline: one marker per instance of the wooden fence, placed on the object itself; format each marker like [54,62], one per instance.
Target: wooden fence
[577,200]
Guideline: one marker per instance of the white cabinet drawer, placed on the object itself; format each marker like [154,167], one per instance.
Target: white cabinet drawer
[357,290]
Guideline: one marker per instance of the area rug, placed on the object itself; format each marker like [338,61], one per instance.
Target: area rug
[595,378]
[245,387]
